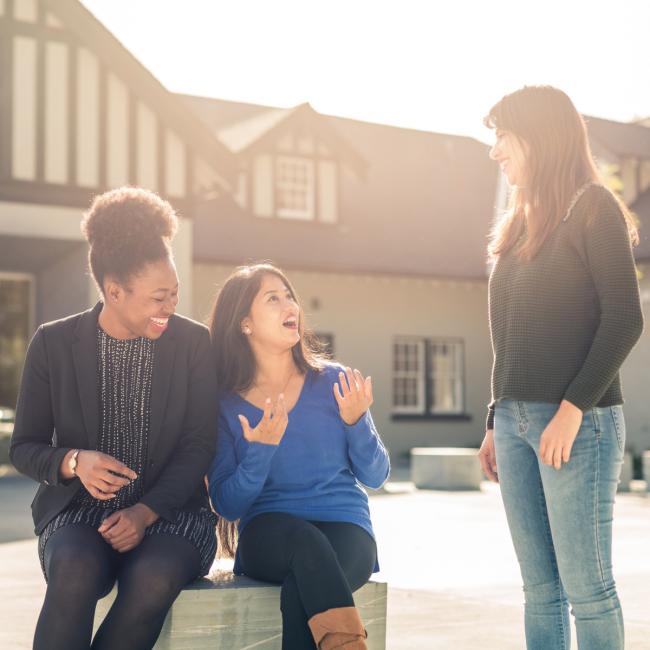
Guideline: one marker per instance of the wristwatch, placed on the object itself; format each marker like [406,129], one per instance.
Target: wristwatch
[72,462]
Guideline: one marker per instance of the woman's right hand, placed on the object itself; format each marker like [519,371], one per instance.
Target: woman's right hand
[487,456]
[271,427]
[97,472]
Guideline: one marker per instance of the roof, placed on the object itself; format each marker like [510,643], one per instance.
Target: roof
[624,139]
[424,207]
[174,112]
[257,125]
[241,135]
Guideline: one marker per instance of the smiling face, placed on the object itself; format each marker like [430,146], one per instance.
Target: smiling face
[143,306]
[274,318]
[510,152]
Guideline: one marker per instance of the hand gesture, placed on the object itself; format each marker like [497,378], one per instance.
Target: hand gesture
[271,427]
[354,395]
[487,457]
[124,529]
[98,473]
[557,439]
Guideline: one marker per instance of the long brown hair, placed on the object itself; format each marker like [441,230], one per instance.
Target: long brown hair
[558,163]
[235,361]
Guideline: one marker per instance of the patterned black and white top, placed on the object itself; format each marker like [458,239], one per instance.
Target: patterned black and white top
[125,369]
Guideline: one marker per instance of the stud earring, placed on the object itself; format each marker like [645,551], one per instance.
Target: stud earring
[247,330]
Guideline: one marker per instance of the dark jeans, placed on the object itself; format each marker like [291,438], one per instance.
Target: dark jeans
[319,564]
[81,568]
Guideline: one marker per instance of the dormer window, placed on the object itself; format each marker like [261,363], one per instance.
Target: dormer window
[295,187]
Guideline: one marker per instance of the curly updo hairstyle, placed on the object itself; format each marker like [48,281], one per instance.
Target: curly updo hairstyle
[127,228]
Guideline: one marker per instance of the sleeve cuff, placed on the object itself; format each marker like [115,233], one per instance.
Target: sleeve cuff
[257,459]
[161,510]
[489,423]
[361,424]
[582,404]
[54,475]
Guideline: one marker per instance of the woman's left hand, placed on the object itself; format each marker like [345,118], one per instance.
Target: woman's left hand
[354,395]
[124,529]
[557,439]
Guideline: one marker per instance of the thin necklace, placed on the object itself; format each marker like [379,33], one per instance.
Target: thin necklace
[256,385]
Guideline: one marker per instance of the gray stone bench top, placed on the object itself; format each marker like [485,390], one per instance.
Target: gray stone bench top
[444,451]
[237,613]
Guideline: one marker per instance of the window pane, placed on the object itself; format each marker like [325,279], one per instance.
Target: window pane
[446,376]
[14,331]
[295,188]
[408,376]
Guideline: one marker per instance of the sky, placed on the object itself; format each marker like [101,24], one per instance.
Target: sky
[430,65]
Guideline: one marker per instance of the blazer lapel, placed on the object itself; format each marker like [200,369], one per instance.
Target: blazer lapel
[163,366]
[84,355]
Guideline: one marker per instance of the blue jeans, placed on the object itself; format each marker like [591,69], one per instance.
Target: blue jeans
[561,523]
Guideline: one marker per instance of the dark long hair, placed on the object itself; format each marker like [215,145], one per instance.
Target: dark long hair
[235,361]
[559,162]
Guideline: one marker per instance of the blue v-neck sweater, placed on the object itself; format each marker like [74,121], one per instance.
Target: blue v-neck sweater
[314,473]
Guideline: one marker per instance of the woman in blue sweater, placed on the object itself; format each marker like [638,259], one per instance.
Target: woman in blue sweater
[296,441]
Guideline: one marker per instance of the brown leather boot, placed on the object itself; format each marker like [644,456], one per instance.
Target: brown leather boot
[338,628]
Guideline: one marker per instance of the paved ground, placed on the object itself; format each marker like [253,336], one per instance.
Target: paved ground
[453,577]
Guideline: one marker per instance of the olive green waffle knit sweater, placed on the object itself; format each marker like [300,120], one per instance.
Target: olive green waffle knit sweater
[563,323]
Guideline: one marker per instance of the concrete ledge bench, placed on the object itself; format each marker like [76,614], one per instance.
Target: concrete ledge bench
[231,612]
[446,468]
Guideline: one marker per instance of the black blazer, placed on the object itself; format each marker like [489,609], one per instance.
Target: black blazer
[58,410]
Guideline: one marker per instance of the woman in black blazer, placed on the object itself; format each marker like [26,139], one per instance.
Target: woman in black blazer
[116,419]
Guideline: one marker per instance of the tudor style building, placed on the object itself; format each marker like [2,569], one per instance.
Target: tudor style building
[381,229]
[78,115]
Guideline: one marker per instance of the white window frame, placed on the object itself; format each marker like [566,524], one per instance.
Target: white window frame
[418,374]
[455,374]
[309,213]
[429,373]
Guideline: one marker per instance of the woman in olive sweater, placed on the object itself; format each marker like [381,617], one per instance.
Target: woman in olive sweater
[564,314]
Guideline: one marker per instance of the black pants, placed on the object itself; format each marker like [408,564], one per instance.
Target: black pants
[319,564]
[81,568]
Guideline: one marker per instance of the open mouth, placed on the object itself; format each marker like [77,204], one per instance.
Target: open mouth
[291,323]
[159,324]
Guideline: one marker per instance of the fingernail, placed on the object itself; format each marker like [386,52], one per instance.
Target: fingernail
[268,400]
[281,396]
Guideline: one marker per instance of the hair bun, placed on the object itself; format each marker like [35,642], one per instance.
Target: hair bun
[128,214]
[126,228]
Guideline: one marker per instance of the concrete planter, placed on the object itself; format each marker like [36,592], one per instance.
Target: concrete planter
[645,460]
[446,468]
